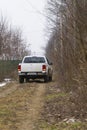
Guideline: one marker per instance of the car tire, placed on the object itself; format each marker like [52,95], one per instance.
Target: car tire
[46,79]
[50,78]
[27,80]
[21,79]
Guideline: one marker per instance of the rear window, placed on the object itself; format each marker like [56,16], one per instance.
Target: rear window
[34,60]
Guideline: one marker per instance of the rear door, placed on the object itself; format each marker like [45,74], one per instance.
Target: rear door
[31,67]
[33,64]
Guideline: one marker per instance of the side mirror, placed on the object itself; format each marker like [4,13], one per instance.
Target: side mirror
[50,63]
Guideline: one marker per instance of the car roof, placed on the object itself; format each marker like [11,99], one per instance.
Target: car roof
[35,56]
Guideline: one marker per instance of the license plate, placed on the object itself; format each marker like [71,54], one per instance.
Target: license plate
[31,73]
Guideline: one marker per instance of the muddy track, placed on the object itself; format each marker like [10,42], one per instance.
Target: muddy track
[26,101]
[9,90]
[35,108]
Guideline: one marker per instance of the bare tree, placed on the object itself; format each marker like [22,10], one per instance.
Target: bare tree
[12,42]
[68,37]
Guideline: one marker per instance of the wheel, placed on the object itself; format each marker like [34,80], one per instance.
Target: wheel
[50,78]
[21,79]
[46,79]
[27,80]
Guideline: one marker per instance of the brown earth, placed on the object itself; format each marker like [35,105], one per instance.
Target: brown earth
[34,108]
[21,105]
[38,106]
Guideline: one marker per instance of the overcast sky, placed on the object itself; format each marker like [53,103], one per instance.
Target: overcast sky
[25,14]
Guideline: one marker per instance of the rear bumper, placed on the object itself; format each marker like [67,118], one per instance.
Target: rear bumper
[34,75]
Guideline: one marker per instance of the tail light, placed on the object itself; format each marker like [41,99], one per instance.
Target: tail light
[43,67]
[19,67]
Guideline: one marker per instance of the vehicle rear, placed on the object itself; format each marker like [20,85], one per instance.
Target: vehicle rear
[32,67]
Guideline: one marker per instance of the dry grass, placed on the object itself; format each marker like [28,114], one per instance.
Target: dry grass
[13,107]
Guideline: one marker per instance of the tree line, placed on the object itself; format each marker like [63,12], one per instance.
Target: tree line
[67,44]
[67,47]
[12,42]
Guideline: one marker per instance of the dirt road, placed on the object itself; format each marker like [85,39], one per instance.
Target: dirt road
[34,108]
[21,105]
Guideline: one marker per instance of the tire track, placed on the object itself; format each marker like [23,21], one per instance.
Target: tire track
[35,108]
